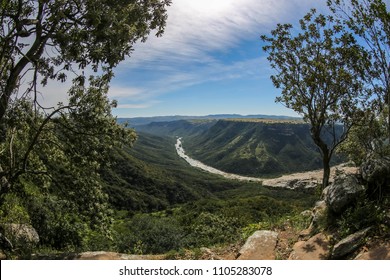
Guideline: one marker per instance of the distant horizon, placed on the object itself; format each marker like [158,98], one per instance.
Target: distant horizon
[212,114]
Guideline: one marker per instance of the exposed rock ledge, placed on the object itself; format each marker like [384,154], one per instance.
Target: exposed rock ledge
[306,181]
[99,255]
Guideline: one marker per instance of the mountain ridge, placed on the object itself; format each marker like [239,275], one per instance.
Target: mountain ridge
[137,121]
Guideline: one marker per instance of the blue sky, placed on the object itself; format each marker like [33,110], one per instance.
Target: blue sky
[209,60]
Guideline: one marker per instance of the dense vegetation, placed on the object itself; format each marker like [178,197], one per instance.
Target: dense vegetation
[174,206]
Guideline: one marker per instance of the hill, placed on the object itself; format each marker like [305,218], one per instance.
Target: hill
[147,120]
[177,128]
[254,147]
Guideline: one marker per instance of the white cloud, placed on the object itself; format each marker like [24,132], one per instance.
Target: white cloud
[197,28]
[138,105]
[130,92]
[198,34]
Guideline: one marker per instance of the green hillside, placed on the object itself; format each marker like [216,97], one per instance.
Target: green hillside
[256,147]
[151,177]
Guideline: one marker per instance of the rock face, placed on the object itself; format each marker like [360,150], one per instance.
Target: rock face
[349,244]
[260,246]
[316,248]
[342,192]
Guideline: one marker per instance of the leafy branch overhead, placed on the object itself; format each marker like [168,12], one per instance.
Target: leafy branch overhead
[55,38]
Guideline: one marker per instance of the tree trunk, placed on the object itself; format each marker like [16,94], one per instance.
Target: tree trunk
[325,152]
[326,166]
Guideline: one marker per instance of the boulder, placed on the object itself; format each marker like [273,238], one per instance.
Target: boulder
[319,211]
[21,233]
[378,252]
[342,192]
[349,244]
[2,256]
[375,170]
[259,246]
[316,248]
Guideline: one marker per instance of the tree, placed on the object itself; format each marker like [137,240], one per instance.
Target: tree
[319,73]
[370,20]
[54,38]
[50,158]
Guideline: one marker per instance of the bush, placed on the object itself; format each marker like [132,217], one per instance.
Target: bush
[145,234]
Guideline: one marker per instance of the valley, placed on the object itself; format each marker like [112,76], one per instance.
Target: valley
[162,202]
[258,148]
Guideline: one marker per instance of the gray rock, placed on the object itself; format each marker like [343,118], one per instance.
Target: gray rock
[306,213]
[375,170]
[319,211]
[343,192]
[349,244]
[21,233]
[259,246]
[317,215]
[302,185]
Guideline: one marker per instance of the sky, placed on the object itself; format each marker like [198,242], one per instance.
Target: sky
[208,61]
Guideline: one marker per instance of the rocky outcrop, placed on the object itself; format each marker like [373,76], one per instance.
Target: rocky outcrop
[102,255]
[98,255]
[316,248]
[260,246]
[349,244]
[376,170]
[302,185]
[342,192]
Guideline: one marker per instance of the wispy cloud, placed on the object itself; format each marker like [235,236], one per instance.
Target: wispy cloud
[137,105]
[199,36]
[196,29]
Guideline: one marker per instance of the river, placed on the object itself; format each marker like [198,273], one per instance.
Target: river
[195,163]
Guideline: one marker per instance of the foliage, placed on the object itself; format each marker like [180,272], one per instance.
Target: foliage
[297,221]
[73,35]
[52,165]
[321,76]
[207,222]
[366,213]
[50,158]
[366,138]
[147,234]
[370,21]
